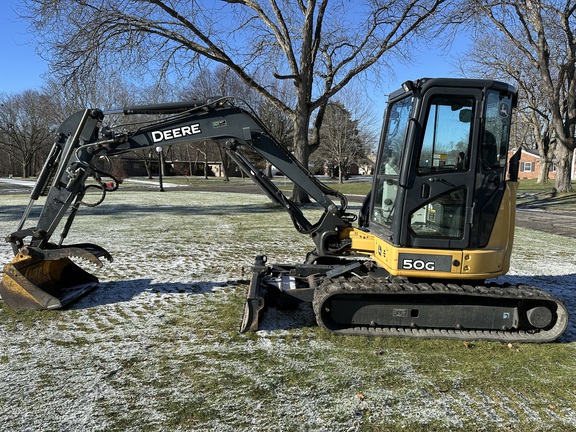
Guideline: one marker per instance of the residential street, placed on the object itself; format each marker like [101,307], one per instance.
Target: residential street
[555,222]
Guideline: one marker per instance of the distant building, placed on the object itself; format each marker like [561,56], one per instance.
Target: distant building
[133,165]
[530,164]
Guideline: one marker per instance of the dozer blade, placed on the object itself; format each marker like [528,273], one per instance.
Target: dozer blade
[255,299]
[39,279]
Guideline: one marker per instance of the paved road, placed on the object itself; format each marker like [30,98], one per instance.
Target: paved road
[556,222]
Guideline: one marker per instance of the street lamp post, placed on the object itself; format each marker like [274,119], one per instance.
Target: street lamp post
[160,166]
[205,160]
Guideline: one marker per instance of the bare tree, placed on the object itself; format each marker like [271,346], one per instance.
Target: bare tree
[279,126]
[493,55]
[534,118]
[219,81]
[318,46]
[108,92]
[26,129]
[543,32]
[342,143]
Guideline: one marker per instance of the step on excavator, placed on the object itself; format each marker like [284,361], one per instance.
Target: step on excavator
[437,224]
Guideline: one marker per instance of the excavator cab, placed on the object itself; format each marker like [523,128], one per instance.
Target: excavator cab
[440,178]
[440,222]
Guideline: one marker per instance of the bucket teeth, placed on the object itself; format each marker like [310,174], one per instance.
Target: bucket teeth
[38,279]
[86,251]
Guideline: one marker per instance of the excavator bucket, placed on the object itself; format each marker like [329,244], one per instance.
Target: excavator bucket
[39,279]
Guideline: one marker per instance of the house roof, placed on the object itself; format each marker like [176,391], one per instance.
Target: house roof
[531,153]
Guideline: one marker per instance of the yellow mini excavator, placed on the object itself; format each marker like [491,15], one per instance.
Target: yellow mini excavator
[437,224]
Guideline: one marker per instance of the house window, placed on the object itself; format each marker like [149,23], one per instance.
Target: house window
[527,166]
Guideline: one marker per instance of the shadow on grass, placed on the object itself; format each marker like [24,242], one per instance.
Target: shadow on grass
[548,200]
[272,318]
[14,212]
[116,292]
[562,287]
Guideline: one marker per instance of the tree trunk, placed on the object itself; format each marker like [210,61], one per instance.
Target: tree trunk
[205,160]
[302,154]
[563,168]
[544,174]
[225,163]
[268,171]
[148,166]
[546,153]
[27,165]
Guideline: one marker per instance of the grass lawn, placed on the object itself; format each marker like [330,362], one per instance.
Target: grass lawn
[530,193]
[544,196]
[156,347]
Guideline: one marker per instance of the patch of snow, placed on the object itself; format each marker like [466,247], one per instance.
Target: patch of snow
[26,183]
[143,351]
[150,182]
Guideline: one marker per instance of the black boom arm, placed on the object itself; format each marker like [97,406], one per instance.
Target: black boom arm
[80,141]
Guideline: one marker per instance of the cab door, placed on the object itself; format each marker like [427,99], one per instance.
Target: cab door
[436,190]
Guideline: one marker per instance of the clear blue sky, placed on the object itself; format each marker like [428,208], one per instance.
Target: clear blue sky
[22,69]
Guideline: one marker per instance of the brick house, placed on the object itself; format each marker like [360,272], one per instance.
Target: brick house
[530,164]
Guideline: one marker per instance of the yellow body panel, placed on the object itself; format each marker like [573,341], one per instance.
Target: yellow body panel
[473,264]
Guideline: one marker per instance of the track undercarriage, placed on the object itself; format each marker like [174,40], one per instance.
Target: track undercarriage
[355,298]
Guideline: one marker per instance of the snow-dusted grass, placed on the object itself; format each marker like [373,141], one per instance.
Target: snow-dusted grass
[156,347]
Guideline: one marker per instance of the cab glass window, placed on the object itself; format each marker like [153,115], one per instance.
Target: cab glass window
[447,135]
[398,115]
[494,145]
[442,217]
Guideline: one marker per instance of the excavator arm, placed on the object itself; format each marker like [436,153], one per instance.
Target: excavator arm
[80,142]
[42,265]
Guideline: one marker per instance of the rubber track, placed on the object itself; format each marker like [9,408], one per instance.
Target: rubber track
[382,287]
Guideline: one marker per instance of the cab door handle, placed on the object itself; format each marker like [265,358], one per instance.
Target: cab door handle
[425,191]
